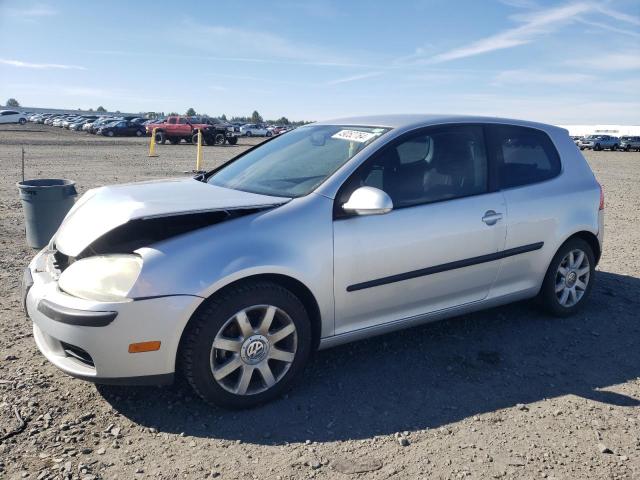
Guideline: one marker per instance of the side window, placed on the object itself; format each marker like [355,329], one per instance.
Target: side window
[182,121]
[436,164]
[523,155]
[172,121]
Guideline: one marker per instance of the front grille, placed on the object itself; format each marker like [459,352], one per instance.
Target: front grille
[77,353]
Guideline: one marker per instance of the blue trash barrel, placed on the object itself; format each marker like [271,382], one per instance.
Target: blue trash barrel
[45,202]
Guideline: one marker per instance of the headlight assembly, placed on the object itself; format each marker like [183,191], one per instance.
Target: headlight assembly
[104,278]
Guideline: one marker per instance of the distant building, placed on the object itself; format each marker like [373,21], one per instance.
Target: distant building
[615,130]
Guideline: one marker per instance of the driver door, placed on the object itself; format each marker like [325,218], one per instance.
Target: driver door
[438,247]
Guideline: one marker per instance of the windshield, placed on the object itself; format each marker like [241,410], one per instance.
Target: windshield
[294,164]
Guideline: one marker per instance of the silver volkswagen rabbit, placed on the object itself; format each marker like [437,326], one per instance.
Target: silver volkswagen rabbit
[333,232]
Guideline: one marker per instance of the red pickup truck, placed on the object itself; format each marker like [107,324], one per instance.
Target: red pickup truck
[177,128]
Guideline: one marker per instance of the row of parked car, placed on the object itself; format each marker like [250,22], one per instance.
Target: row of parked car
[608,142]
[109,126]
[173,129]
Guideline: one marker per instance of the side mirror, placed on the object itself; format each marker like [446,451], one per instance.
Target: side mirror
[368,201]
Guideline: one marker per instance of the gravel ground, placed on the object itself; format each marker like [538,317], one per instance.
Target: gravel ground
[505,393]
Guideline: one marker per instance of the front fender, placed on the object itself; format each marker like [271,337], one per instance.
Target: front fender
[294,240]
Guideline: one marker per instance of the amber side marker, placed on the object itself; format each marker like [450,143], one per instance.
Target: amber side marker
[144,347]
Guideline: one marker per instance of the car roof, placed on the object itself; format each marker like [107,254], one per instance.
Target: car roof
[410,121]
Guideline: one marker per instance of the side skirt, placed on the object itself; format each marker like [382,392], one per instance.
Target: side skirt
[360,334]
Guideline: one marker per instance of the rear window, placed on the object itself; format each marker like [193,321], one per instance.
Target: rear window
[523,155]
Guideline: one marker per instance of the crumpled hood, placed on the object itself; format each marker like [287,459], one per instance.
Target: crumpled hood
[102,209]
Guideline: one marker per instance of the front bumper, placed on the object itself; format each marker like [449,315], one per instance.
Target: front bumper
[89,340]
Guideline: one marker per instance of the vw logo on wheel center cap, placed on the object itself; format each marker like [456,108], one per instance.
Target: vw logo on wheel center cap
[571,278]
[254,349]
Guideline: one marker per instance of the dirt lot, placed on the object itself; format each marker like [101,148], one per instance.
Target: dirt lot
[506,393]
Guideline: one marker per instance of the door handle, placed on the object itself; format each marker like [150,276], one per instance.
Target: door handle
[491,217]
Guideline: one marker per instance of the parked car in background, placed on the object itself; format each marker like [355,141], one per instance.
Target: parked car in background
[630,143]
[335,232]
[121,128]
[100,123]
[255,130]
[599,142]
[44,117]
[12,116]
[70,120]
[79,124]
[51,119]
[576,140]
[177,128]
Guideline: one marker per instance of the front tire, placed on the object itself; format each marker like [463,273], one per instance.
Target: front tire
[22,121]
[232,140]
[248,134]
[161,138]
[247,345]
[569,278]
[218,139]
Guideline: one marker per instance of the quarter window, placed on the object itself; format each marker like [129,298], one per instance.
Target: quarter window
[522,155]
[436,164]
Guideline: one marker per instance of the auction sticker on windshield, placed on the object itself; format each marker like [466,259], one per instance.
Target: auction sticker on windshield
[355,135]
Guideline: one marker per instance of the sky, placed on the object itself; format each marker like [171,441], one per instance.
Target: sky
[559,62]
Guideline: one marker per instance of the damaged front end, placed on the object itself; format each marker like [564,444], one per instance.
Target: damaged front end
[143,232]
[121,219]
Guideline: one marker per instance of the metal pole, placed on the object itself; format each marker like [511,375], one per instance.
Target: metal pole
[199,152]
[23,164]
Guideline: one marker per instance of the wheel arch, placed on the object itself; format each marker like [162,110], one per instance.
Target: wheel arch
[591,239]
[298,288]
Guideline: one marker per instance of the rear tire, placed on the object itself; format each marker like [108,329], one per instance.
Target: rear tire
[569,279]
[215,340]
[232,140]
[218,139]
[22,121]
[248,134]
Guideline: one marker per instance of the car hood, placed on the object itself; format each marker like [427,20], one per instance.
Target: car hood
[103,209]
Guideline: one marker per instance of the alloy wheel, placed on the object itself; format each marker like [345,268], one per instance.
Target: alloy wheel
[572,278]
[253,350]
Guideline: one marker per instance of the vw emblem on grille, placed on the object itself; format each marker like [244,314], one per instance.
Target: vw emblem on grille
[254,349]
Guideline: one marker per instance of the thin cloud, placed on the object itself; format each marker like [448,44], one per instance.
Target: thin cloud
[519,3]
[255,46]
[41,66]
[34,11]
[610,28]
[534,24]
[549,78]
[623,17]
[354,78]
[237,59]
[624,61]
